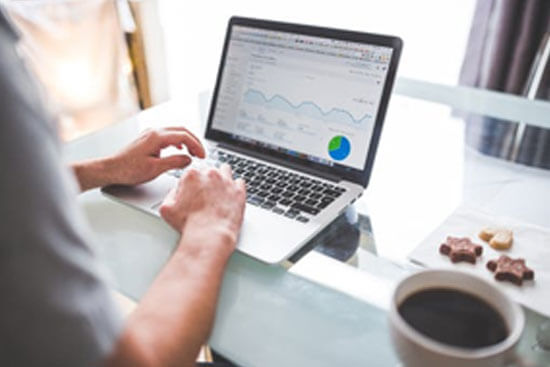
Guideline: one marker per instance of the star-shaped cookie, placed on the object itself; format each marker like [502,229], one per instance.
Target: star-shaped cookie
[461,249]
[512,270]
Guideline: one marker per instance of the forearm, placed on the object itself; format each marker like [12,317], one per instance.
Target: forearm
[175,317]
[93,173]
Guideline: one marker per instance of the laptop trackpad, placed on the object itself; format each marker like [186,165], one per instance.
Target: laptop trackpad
[146,196]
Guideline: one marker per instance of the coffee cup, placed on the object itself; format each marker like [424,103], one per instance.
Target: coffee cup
[453,319]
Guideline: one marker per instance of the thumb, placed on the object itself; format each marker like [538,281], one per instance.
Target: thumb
[168,211]
[167,202]
[173,162]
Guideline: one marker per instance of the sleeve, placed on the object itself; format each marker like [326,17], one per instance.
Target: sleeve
[55,309]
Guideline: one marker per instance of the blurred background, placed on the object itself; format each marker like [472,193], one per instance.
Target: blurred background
[103,60]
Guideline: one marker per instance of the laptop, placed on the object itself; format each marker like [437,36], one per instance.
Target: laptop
[297,112]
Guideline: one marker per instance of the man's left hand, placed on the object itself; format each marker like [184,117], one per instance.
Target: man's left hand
[141,161]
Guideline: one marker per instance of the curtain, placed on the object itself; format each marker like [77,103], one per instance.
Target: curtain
[502,46]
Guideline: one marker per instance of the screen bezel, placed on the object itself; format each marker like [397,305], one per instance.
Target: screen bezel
[343,172]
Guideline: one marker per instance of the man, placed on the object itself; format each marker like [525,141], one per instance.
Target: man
[55,310]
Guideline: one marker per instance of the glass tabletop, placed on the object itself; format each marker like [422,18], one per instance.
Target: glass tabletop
[427,166]
[423,171]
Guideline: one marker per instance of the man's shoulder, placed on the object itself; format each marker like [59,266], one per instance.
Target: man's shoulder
[7,27]
[19,89]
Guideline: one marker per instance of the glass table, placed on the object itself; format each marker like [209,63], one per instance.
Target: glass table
[327,305]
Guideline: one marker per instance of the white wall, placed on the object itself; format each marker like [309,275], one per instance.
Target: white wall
[434,33]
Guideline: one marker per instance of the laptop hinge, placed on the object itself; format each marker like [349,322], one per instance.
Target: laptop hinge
[281,162]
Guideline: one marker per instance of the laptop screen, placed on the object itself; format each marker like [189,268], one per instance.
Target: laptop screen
[310,97]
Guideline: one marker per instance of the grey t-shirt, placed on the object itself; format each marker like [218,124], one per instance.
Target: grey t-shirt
[55,309]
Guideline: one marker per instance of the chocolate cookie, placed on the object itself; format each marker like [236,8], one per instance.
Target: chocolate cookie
[460,249]
[512,270]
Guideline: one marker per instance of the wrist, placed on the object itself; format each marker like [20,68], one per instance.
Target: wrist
[207,236]
[94,173]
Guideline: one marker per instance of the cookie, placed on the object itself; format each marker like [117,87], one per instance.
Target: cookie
[498,238]
[461,249]
[487,233]
[502,240]
[512,270]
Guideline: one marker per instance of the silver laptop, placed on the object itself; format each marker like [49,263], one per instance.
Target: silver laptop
[297,112]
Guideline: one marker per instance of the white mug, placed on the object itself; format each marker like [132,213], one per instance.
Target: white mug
[418,350]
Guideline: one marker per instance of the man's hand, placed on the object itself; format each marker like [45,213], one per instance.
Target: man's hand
[176,315]
[208,201]
[140,161]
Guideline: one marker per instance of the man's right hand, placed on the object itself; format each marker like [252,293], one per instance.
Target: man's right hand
[207,202]
[176,315]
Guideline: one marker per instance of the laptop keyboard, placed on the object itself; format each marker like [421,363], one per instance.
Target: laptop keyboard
[280,191]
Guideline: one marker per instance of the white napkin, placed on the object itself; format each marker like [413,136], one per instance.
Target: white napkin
[530,242]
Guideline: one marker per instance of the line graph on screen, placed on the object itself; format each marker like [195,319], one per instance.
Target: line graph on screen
[305,108]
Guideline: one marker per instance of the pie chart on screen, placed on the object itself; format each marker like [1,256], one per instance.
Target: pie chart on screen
[339,148]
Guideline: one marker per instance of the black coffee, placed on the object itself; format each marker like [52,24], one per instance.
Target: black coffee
[454,317]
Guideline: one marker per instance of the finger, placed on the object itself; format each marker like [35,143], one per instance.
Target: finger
[226,171]
[191,175]
[166,208]
[182,129]
[178,139]
[179,128]
[172,162]
[168,199]
[241,185]
[174,138]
